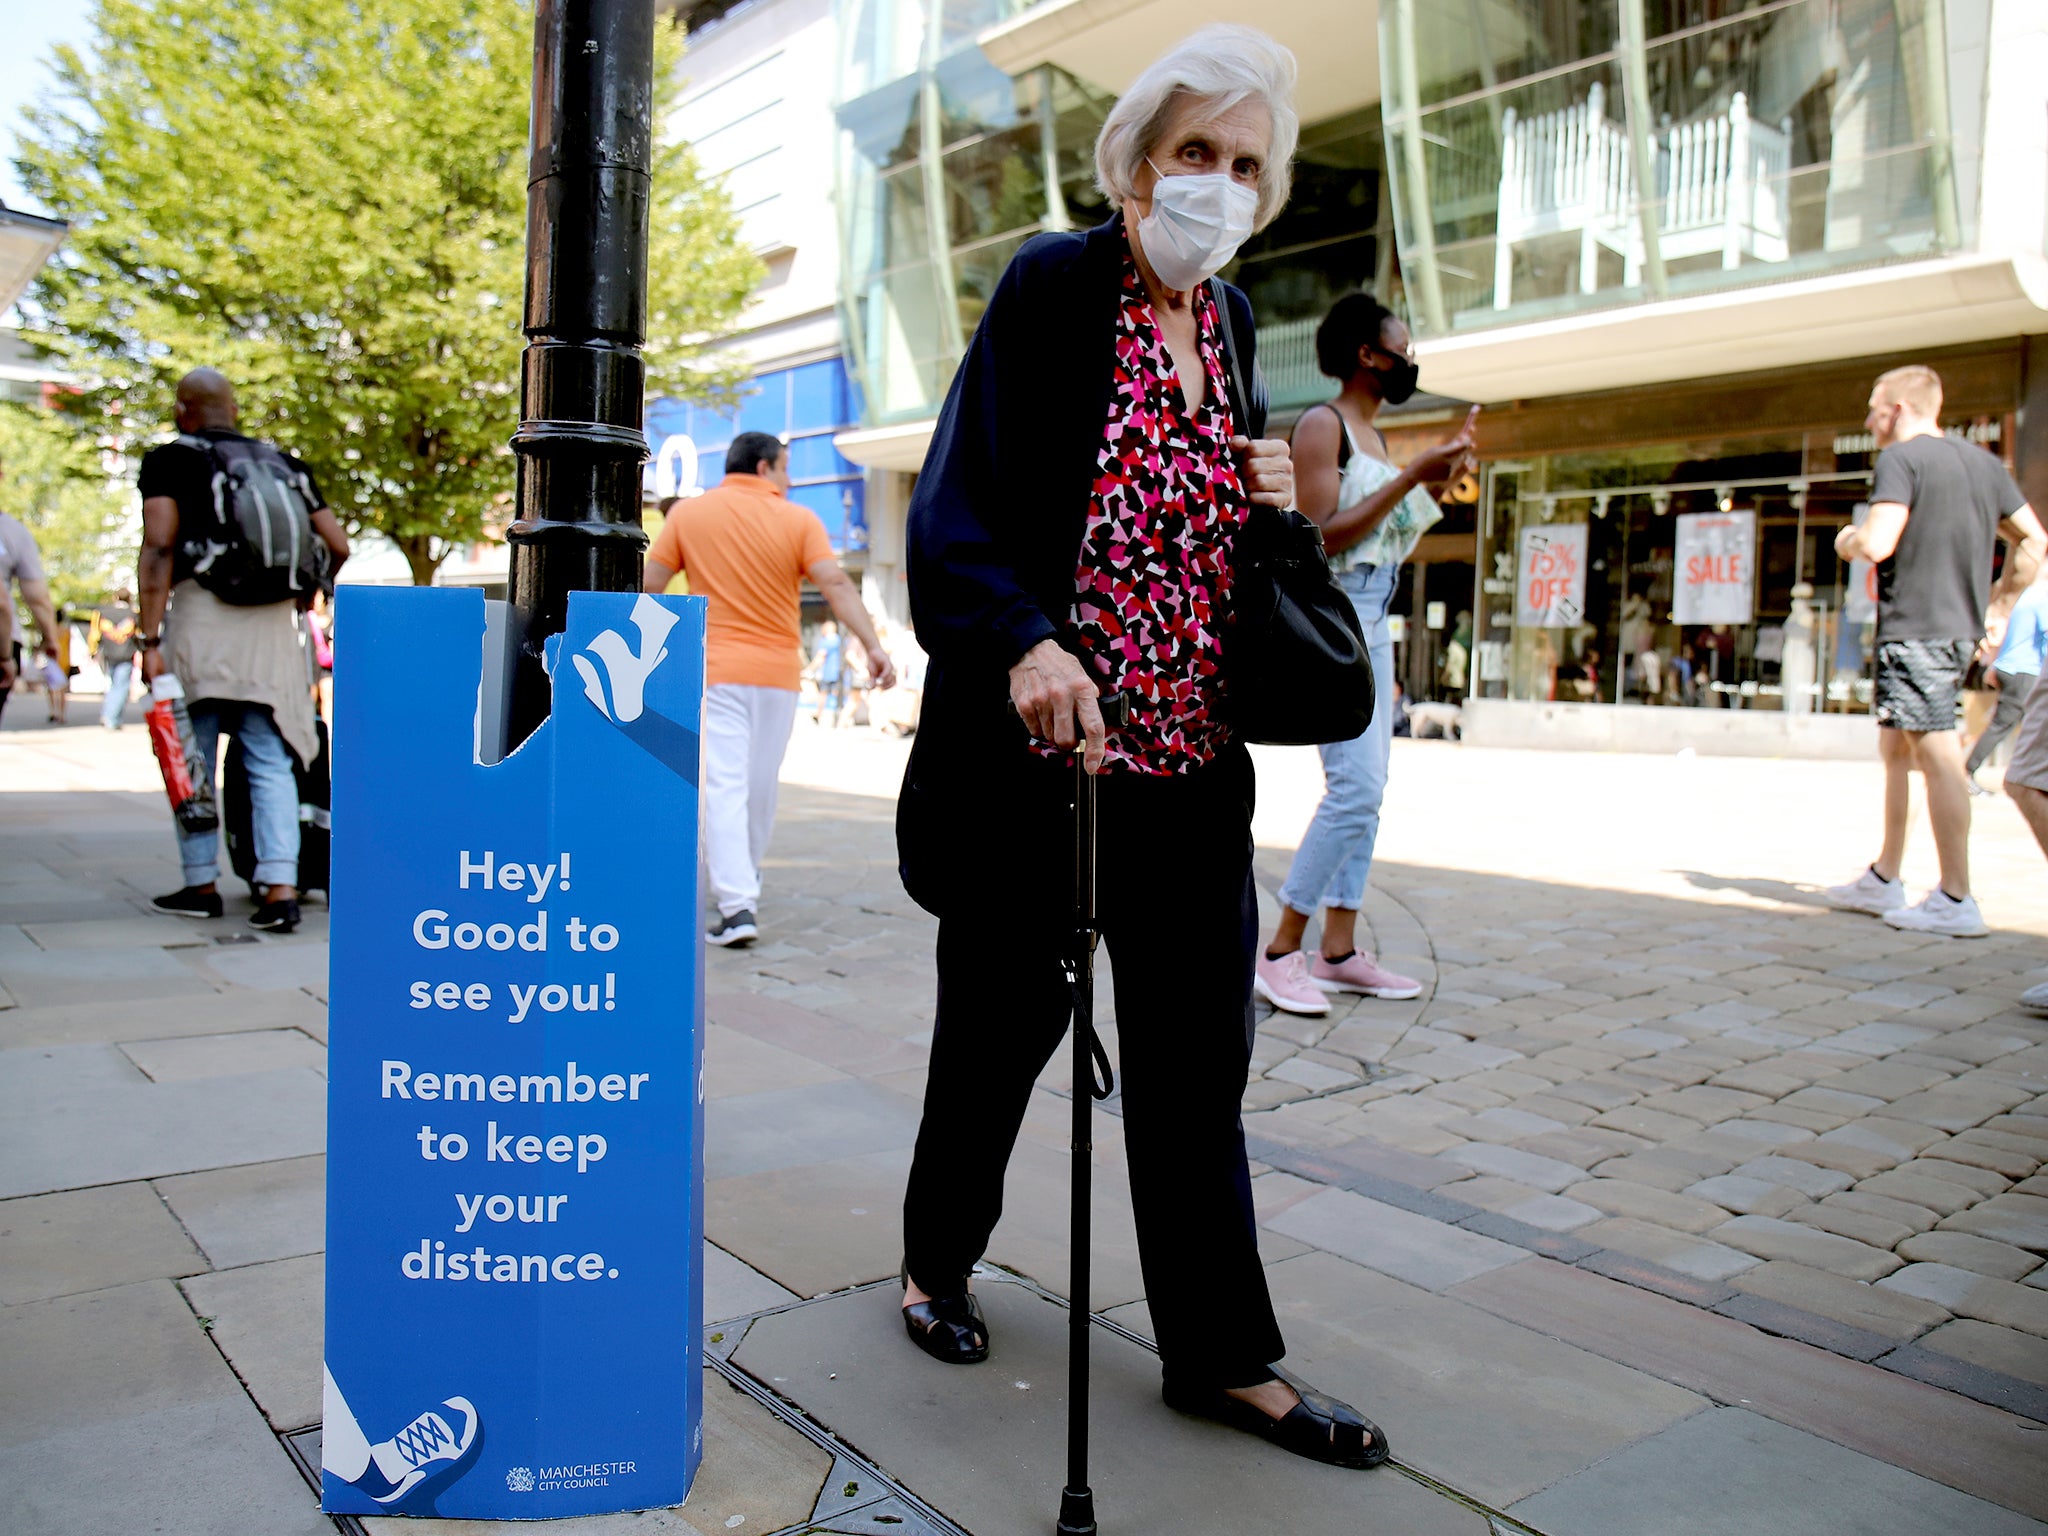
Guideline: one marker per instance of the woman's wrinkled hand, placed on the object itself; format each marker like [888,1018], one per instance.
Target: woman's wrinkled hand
[1268,467]
[1052,691]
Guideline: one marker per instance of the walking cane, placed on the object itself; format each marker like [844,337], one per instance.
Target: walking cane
[1092,1080]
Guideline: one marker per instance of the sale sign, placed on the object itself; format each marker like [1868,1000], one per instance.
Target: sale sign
[1715,577]
[1550,586]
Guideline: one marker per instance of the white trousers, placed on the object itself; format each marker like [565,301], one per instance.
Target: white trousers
[746,731]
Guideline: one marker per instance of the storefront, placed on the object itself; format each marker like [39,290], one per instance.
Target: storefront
[1674,548]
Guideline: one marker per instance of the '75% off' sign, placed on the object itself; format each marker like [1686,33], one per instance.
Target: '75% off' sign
[1550,583]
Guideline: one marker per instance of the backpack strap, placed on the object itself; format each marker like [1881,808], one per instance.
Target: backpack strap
[1343,432]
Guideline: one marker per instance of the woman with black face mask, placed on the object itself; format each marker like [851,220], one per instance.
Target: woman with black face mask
[1371,513]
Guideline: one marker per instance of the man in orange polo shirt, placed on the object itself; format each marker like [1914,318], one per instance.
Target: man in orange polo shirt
[746,549]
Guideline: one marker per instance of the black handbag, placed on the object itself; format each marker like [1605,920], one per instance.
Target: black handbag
[1295,668]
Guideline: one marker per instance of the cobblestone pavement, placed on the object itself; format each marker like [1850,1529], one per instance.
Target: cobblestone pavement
[1674,1204]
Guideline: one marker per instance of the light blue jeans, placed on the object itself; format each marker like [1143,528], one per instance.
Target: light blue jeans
[1335,857]
[118,673]
[273,793]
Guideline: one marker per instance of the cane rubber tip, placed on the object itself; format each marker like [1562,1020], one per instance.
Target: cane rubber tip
[1077,1513]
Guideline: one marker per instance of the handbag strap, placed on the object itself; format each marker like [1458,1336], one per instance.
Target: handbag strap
[1240,401]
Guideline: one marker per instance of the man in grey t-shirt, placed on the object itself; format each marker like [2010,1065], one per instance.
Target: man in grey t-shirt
[22,566]
[1937,506]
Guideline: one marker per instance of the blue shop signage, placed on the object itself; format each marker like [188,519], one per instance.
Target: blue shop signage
[515,1152]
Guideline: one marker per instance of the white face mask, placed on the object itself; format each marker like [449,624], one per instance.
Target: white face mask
[1195,226]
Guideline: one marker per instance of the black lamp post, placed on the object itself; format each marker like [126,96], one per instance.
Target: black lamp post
[579,443]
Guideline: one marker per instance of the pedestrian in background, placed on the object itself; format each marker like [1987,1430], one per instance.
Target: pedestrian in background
[240,661]
[21,569]
[828,671]
[112,642]
[746,548]
[1937,506]
[1371,513]
[1072,535]
[2013,668]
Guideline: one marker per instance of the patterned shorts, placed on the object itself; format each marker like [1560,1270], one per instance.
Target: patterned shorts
[1919,683]
[2029,763]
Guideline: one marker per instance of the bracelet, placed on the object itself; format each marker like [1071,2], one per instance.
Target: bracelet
[150,642]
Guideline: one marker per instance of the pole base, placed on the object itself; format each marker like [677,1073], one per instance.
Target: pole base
[1077,1512]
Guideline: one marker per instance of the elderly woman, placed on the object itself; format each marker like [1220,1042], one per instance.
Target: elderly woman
[1072,536]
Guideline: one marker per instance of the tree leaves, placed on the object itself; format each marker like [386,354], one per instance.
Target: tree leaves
[326,199]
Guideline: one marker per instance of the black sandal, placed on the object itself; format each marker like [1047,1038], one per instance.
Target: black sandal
[951,1329]
[1318,1427]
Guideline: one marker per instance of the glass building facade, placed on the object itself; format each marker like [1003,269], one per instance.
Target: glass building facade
[1561,155]
[947,166]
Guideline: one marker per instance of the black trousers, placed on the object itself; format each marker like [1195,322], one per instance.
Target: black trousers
[1180,919]
[2014,689]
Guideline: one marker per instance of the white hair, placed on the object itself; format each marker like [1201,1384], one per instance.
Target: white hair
[1219,67]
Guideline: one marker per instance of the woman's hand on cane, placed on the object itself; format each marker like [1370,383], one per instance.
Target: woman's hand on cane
[1052,691]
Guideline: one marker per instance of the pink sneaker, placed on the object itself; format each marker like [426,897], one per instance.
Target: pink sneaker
[1362,973]
[1286,985]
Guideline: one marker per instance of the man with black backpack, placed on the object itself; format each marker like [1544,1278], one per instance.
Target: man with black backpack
[235,541]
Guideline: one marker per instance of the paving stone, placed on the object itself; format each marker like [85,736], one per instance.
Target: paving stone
[1996,1349]
[1395,1242]
[1658,1168]
[223,1055]
[1503,1125]
[1363,1156]
[1812,1121]
[1594,1093]
[1620,1197]
[1968,1294]
[262,1320]
[2014,1394]
[1863,1227]
[1833,1101]
[1952,1109]
[1651,1124]
[1906,1214]
[1999,1160]
[122,1417]
[977,1446]
[1807,1327]
[2021,1220]
[1687,1255]
[1880,1039]
[733,1288]
[1937,1434]
[1544,1173]
[90,1239]
[1493,1408]
[1820,1291]
[2004,1141]
[1982,1180]
[1937,1195]
[1965,1250]
[1458,1060]
[1764,1132]
[1746,1196]
[1584,1147]
[1809,1180]
[2035,1126]
[1769,1238]
[1707,1105]
[1756,1475]
[253,1213]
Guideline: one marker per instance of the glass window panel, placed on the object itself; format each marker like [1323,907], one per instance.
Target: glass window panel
[975,274]
[829,502]
[819,397]
[766,409]
[995,184]
[814,458]
[974,96]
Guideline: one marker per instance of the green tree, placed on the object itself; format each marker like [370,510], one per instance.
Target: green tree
[326,199]
[58,484]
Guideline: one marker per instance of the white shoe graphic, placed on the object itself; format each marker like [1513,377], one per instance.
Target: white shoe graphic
[626,670]
[429,1443]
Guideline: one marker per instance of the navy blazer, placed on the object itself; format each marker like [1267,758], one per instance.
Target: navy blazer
[995,528]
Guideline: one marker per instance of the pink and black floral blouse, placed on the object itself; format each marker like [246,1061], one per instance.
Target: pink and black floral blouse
[1153,581]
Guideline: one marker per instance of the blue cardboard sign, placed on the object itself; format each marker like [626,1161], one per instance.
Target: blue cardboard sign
[515,1146]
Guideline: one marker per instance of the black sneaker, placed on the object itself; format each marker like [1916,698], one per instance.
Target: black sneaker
[734,931]
[190,902]
[276,916]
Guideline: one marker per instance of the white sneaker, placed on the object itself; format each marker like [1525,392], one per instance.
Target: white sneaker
[1941,913]
[2036,998]
[1868,892]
